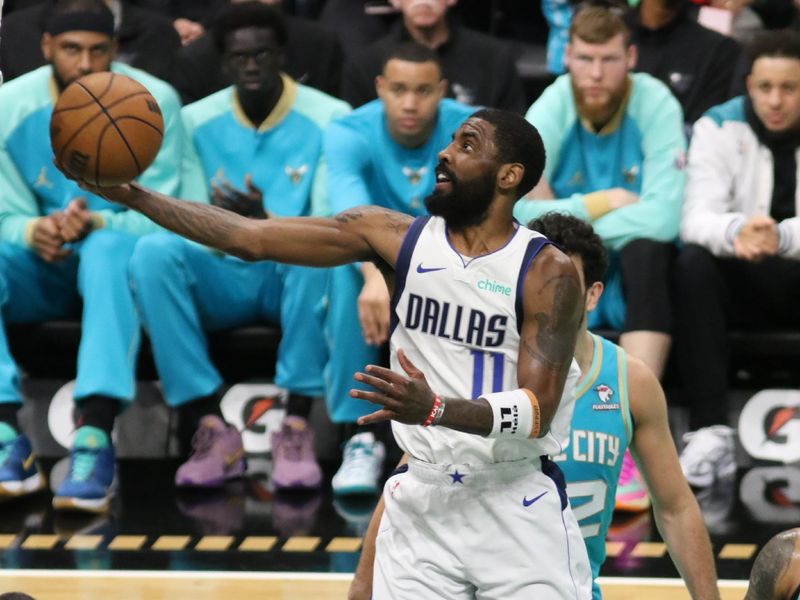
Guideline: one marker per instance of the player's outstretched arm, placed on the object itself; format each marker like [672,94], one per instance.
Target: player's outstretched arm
[677,514]
[553,309]
[357,234]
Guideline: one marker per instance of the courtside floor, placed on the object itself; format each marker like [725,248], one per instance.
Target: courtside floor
[246,541]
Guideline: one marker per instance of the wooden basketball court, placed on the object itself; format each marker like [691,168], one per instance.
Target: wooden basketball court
[205,585]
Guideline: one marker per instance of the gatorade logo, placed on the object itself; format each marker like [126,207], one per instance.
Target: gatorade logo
[769,426]
[772,494]
[256,409]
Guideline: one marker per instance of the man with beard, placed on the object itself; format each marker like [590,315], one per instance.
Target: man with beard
[262,135]
[616,151]
[384,154]
[485,317]
[65,253]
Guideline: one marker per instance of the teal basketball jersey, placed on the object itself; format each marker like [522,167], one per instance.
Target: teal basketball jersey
[601,431]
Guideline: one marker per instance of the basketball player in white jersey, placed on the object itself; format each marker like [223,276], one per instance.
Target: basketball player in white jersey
[485,315]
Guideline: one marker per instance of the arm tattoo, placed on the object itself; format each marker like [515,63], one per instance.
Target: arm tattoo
[555,335]
[203,223]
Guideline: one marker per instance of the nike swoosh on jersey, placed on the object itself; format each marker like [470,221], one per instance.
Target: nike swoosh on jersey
[526,502]
[421,269]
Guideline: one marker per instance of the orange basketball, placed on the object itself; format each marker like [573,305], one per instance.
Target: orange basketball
[106,129]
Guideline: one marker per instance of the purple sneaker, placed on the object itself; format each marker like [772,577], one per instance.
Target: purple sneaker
[217,455]
[294,463]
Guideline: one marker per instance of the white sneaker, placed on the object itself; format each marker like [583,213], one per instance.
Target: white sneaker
[362,466]
[708,455]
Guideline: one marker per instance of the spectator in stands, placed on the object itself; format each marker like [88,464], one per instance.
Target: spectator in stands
[558,14]
[145,39]
[615,150]
[697,64]
[65,253]
[776,571]
[739,266]
[262,136]
[480,69]
[312,57]
[357,23]
[382,154]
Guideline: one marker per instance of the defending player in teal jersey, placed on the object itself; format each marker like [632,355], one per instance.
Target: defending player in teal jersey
[64,254]
[620,403]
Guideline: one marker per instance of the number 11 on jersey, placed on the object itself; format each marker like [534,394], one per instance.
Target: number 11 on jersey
[479,358]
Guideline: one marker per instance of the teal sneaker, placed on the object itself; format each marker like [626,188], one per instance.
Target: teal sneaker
[87,486]
[19,474]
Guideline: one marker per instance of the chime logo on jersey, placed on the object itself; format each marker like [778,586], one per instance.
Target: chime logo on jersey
[769,426]
[605,394]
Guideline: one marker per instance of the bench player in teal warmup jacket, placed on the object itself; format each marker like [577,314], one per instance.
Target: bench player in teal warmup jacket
[64,253]
[384,154]
[264,135]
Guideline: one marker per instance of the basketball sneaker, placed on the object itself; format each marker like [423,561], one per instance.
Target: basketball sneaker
[362,466]
[88,484]
[294,461]
[217,455]
[631,493]
[708,455]
[19,474]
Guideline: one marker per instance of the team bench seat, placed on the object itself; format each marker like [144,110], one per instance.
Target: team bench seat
[49,351]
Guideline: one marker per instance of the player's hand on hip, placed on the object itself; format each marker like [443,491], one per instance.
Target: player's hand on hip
[404,399]
[373,309]
[47,240]
[76,222]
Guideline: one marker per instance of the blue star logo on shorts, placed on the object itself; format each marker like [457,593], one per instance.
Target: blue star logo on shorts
[457,477]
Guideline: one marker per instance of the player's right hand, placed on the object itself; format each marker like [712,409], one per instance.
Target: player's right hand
[403,399]
[47,240]
[373,306]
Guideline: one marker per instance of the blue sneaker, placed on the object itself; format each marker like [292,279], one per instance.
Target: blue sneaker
[87,486]
[19,474]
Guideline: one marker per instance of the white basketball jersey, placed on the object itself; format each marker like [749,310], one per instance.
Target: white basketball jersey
[458,320]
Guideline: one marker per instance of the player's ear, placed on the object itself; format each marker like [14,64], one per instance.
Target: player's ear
[441,89]
[509,176]
[593,295]
[47,46]
[380,86]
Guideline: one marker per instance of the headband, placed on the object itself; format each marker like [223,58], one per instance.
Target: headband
[100,22]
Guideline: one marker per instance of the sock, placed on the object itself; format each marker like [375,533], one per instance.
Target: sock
[99,411]
[8,414]
[299,406]
[189,415]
